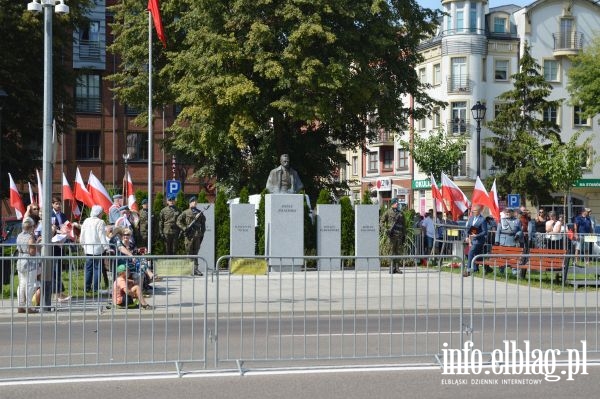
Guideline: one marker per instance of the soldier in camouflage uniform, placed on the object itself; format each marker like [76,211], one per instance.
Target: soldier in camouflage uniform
[192,223]
[143,224]
[167,225]
[392,223]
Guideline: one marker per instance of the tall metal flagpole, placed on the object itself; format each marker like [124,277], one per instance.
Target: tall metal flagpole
[47,169]
[150,132]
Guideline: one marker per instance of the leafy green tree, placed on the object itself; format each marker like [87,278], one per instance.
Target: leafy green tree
[347,226]
[22,77]
[222,227]
[519,131]
[366,198]
[181,202]
[437,152]
[260,225]
[202,197]
[258,79]
[158,246]
[584,80]
[244,196]
[324,197]
[564,162]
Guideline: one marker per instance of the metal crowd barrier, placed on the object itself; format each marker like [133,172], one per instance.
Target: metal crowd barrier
[276,312]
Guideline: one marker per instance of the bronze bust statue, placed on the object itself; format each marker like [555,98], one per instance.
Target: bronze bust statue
[283,179]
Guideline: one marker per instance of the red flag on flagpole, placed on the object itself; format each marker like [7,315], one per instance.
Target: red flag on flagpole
[15,199]
[495,209]
[437,195]
[67,194]
[81,193]
[99,193]
[458,200]
[480,195]
[130,193]
[154,9]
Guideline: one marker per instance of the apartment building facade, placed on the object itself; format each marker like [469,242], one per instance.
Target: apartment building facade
[471,59]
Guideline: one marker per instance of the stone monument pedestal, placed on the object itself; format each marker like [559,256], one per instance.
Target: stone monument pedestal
[329,236]
[284,231]
[366,236]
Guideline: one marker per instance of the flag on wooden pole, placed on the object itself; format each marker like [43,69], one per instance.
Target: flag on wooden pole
[67,194]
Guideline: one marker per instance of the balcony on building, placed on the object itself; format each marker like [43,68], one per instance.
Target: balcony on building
[459,84]
[458,127]
[567,43]
[382,138]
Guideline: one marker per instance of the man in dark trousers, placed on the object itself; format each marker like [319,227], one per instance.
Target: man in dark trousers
[476,235]
[392,222]
[192,224]
[167,225]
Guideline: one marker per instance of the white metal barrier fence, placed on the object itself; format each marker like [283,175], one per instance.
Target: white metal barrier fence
[239,315]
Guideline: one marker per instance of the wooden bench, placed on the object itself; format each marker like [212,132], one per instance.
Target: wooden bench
[502,256]
[543,260]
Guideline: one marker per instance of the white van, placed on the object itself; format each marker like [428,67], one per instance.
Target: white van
[255,200]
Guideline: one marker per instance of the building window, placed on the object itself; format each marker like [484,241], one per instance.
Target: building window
[89,41]
[131,111]
[459,118]
[449,25]
[578,118]
[551,70]
[421,124]
[388,159]
[460,80]
[437,74]
[373,162]
[402,159]
[460,170]
[499,25]
[355,165]
[501,70]
[484,69]
[550,115]
[422,75]
[87,94]
[88,146]
[137,146]
[460,21]
[436,117]
[473,17]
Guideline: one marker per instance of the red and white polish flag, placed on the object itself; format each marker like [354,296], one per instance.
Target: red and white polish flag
[67,194]
[459,202]
[15,199]
[99,193]
[130,193]
[80,191]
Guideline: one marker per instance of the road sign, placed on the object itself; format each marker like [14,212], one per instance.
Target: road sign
[173,187]
[514,200]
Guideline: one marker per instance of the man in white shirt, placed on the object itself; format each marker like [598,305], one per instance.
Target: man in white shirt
[94,242]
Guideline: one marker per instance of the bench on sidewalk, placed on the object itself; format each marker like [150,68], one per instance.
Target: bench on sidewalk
[502,257]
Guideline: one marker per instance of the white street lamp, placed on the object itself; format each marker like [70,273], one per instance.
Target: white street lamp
[60,8]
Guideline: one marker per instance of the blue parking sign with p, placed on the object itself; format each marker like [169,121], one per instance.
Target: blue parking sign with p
[173,187]
[514,200]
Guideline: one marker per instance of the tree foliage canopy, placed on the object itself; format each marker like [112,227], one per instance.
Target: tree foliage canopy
[259,78]
[436,153]
[22,78]
[584,80]
[519,131]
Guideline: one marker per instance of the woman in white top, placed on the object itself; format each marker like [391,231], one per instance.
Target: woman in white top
[26,267]
[553,232]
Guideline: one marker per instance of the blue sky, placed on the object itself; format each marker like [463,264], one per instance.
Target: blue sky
[493,3]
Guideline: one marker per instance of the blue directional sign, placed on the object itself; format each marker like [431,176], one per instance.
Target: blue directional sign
[514,200]
[173,187]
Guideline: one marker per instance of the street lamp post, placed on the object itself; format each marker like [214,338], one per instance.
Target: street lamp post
[478,112]
[3,97]
[60,8]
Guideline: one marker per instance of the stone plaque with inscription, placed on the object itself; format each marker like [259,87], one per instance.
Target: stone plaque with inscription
[284,231]
[329,236]
[366,236]
[241,230]
[207,248]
